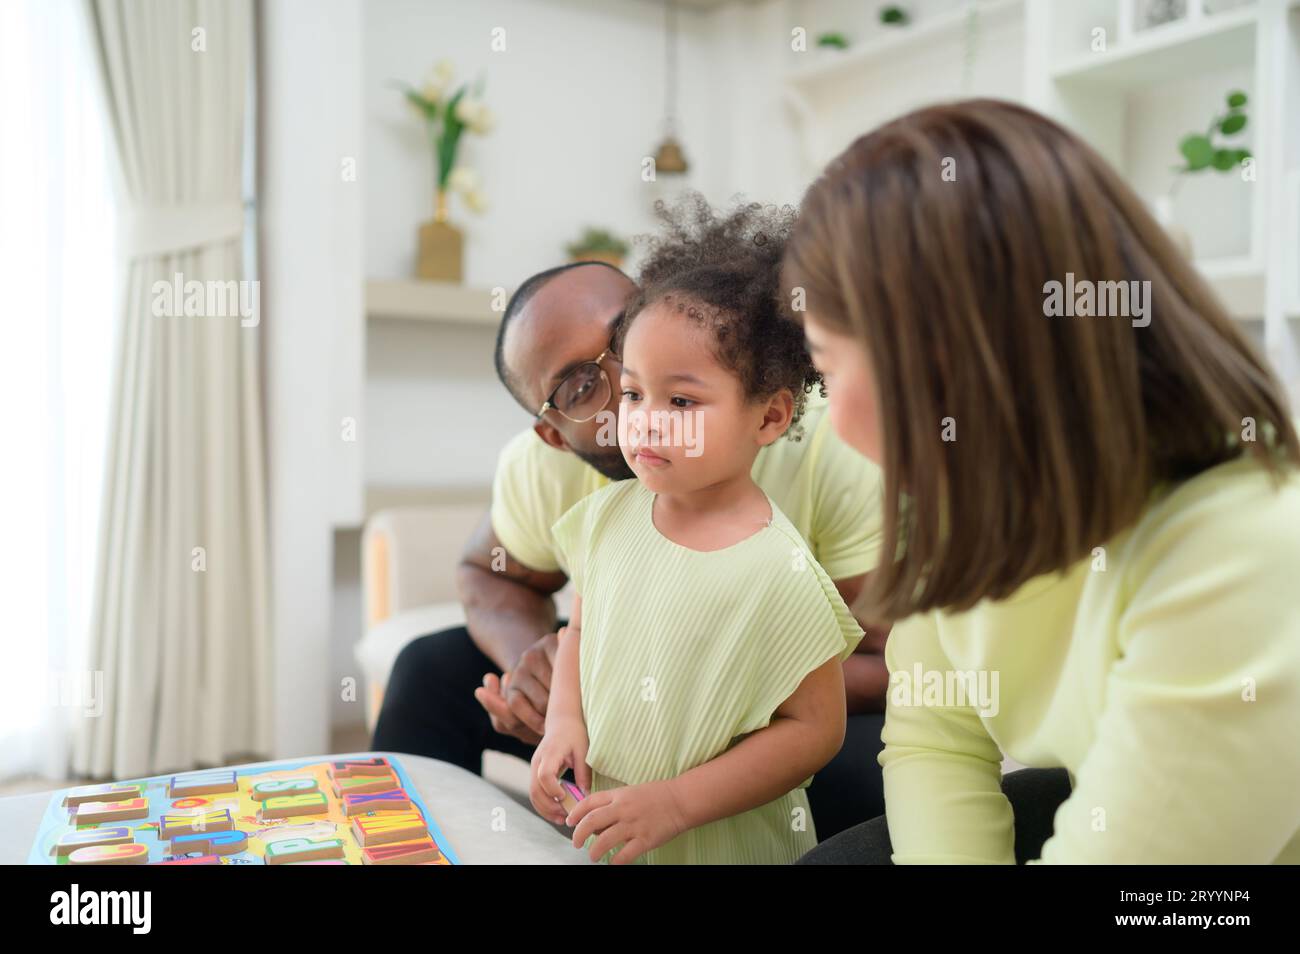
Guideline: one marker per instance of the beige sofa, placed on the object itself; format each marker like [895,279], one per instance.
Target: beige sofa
[408,577]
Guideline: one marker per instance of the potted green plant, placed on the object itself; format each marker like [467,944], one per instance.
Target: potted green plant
[894,15]
[597,245]
[1202,152]
[448,112]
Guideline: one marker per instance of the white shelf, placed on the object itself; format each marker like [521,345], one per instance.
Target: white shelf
[1185,47]
[1239,283]
[900,41]
[387,497]
[430,301]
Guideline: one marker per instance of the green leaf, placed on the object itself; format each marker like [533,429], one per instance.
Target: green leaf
[1225,159]
[1236,99]
[1197,151]
[429,109]
[1233,123]
[449,138]
[1242,155]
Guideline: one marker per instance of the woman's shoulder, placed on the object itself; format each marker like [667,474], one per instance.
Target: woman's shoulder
[1237,521]
[1238,499]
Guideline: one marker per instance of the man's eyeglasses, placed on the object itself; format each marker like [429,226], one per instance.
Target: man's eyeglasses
[583,393]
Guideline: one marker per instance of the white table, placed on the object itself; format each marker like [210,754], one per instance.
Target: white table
[484,825]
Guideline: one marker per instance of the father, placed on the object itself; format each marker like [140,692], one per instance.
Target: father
[455,693]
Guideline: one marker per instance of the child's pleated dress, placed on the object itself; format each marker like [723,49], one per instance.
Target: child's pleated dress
[683,652]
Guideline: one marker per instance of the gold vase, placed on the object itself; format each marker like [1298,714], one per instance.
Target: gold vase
[441,246]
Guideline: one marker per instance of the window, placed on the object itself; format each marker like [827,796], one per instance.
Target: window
[61,306]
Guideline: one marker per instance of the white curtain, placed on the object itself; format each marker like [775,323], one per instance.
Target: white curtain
[179,622]
[56,270]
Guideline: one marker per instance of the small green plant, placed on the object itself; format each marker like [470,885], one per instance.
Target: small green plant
[834,41]
[597,241]
[1205,151]
[893,15]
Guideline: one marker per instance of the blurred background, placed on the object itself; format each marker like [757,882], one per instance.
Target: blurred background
[228,513]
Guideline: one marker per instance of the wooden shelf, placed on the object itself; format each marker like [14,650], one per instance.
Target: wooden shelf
[1167,52]
[413,300]
[900,41]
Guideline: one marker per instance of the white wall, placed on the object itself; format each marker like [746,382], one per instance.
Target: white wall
[437,414]
[578,95]
[310,82]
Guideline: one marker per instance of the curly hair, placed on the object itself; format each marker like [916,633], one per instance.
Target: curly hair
[723,271]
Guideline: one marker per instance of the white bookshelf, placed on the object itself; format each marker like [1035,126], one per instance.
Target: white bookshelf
[898,43]
[1133,100]
[1172,76]
[1158,53]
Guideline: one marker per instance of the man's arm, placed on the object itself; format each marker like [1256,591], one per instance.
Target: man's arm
[866,677]
[510,615]
[508,606]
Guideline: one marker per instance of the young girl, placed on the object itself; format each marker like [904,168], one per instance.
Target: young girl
[698,685]
[1101,509]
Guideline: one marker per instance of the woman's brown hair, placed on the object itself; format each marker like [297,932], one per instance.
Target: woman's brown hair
[932,241]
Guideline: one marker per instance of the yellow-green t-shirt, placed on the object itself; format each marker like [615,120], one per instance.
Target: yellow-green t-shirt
[1163,673]
[829,491]
[684,651]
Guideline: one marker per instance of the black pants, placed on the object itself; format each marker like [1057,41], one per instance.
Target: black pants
[1035,794]
[429,709]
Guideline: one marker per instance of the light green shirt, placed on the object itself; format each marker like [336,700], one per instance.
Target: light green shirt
[830,493]
[1163,672]
[685,651]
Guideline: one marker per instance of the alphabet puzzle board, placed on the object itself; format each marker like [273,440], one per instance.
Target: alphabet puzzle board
[358,810]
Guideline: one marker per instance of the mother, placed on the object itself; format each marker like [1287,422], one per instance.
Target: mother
[1097,516]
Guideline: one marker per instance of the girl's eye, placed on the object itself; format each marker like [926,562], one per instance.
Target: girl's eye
[629,394]
[686,402]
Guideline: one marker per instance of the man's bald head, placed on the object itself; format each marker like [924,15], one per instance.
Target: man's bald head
[558,320]
[547,308]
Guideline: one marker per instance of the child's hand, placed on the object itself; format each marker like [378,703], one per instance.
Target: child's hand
[563,746]
[639,817]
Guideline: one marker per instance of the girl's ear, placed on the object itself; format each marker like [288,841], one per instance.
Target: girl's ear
[776,417]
